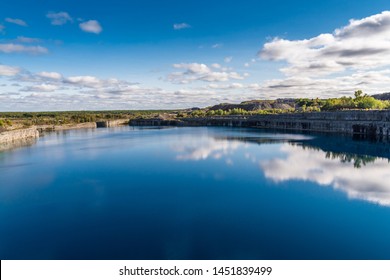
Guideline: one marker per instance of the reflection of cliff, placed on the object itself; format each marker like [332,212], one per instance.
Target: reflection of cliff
[17,144]
[260,140]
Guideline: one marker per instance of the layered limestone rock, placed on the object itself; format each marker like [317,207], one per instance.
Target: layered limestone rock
[15,135]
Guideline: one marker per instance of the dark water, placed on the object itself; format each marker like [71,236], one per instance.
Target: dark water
[194,193]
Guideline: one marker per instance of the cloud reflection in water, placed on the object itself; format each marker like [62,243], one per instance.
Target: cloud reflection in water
[207,148]
[368,183]
[361,177]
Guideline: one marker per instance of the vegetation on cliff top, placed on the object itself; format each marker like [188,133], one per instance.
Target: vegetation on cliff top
[360,101]
[27,119]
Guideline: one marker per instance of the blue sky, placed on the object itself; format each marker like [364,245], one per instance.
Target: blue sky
[93,55]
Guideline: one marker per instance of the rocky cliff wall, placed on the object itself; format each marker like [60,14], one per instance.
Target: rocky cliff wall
[359,123]
[15,135]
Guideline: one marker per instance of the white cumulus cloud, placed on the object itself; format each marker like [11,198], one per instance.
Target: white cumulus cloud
[41,88]
[362,44]
[16,21]
[183,25]
[96,83]
[59,18]
[50,75]
[377,81]
[217,46]
[6,70]
[201,72]
[28,40]
[17,48]
[355,56]
[231,86]
[87,81]
[228,59]
[91,26]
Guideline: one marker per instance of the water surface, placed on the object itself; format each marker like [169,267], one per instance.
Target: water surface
[194,193]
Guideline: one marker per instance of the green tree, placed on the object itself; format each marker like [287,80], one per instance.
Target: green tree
[358,94]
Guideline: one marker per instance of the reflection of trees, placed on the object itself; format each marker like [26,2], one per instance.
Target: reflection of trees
[358,160]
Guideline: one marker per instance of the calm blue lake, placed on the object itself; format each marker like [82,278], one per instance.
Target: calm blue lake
[194,193]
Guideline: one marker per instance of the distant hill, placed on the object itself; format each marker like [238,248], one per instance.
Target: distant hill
[382,96]
[254,105]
